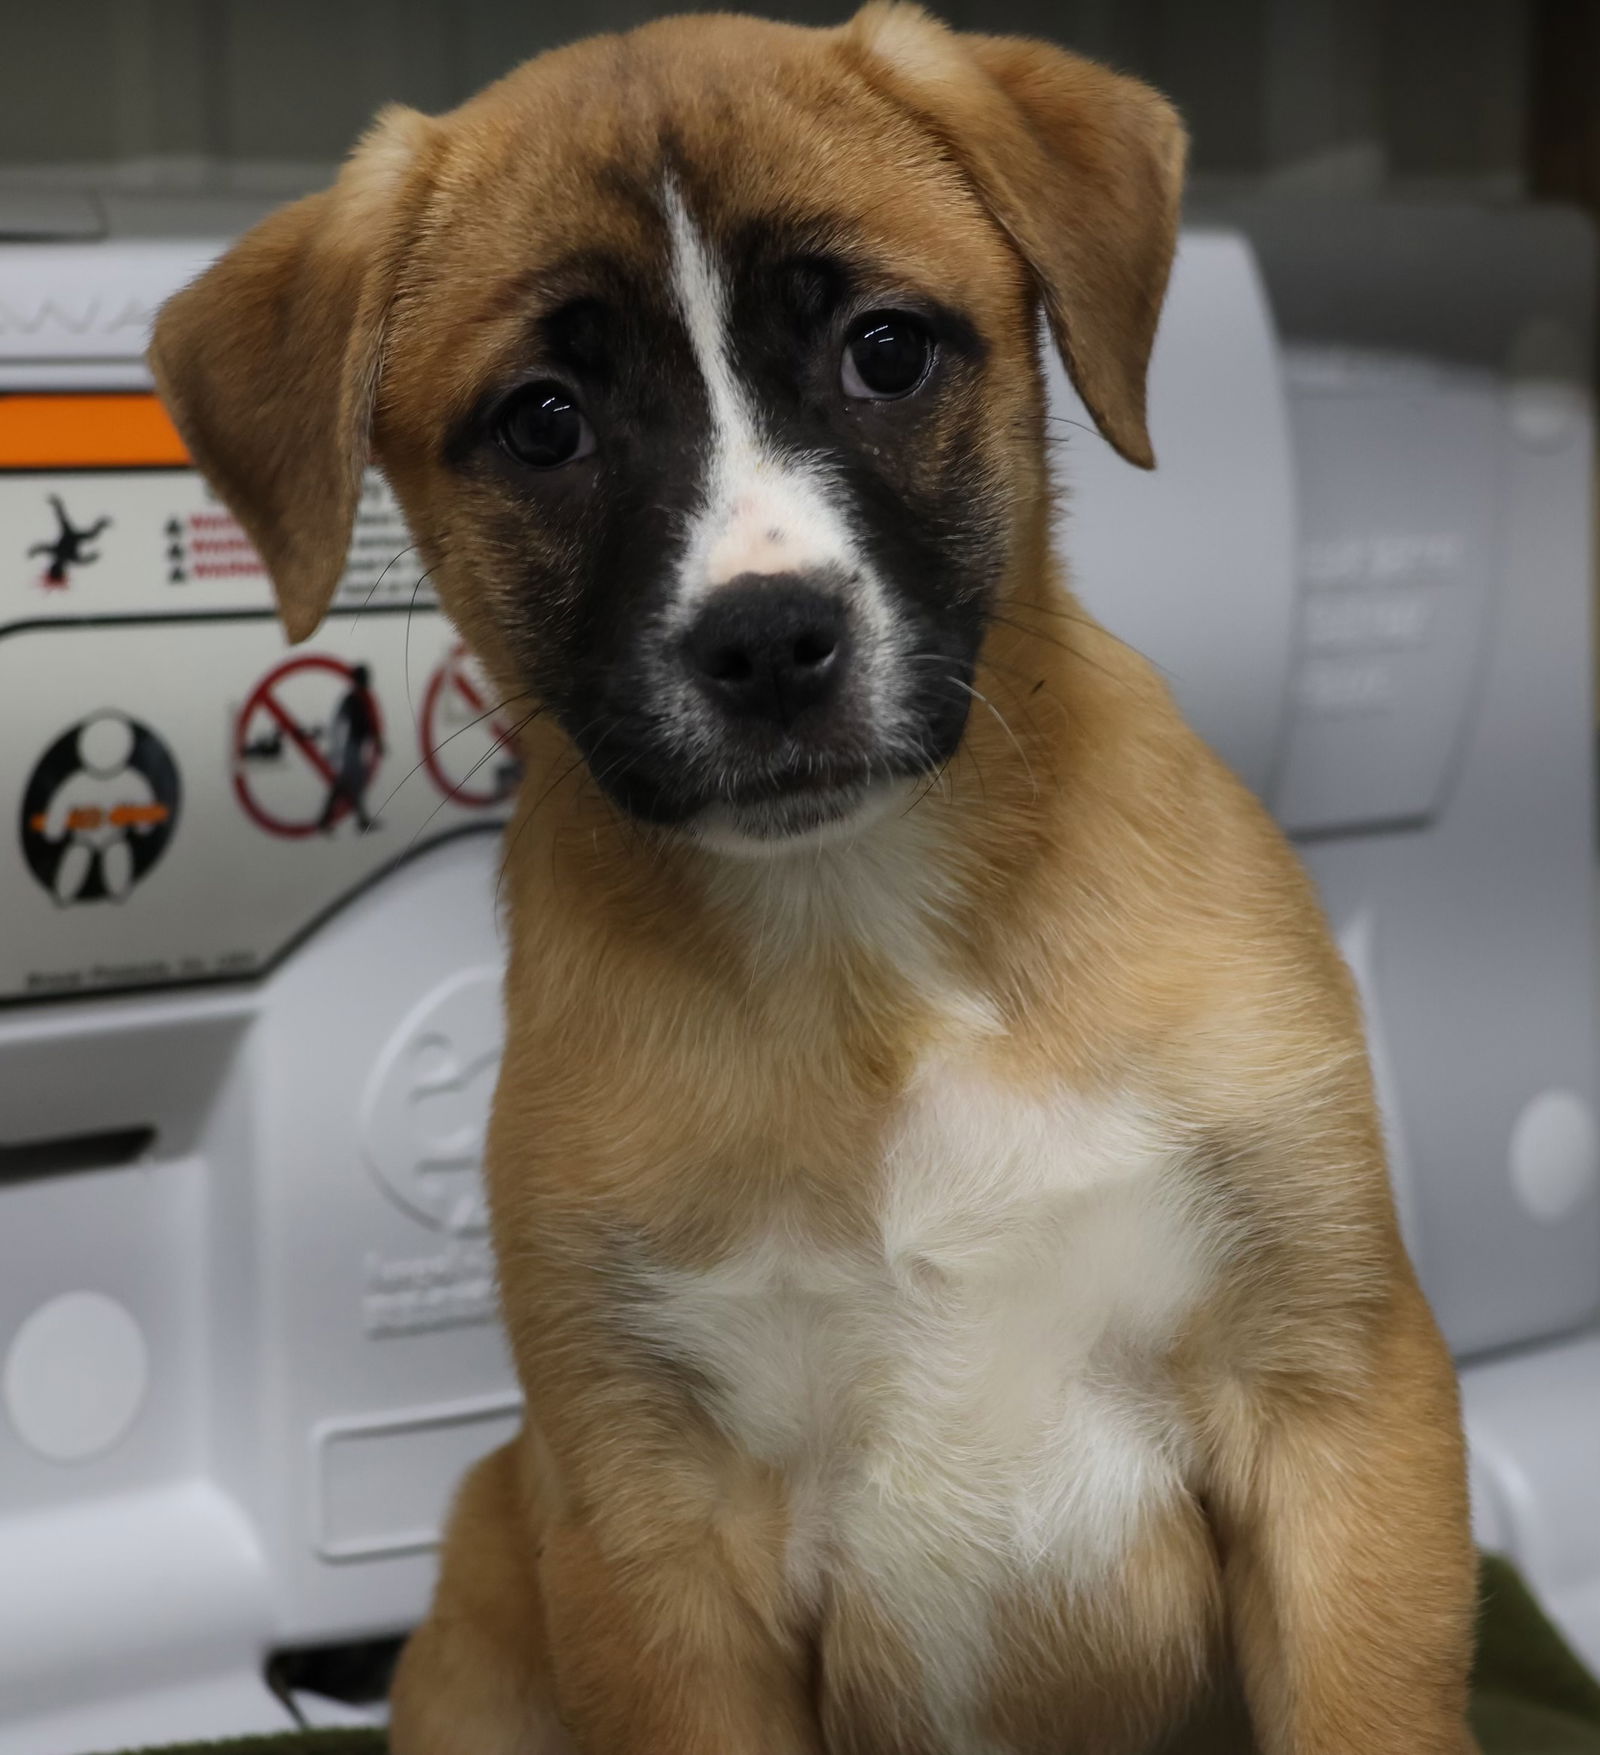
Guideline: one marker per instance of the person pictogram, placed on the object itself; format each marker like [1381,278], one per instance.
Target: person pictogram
[69,548]
[355,746]
[99,809]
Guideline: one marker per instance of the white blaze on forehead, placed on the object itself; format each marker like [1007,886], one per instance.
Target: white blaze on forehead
[760,513]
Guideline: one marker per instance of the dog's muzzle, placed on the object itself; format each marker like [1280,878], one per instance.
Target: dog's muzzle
[773,707]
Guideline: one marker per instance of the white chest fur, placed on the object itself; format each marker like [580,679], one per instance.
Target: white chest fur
[977,1400]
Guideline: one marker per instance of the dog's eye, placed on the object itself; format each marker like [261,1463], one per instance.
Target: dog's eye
[541,426]
[887,355]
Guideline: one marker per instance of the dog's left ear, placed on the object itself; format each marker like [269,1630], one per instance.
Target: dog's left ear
[269,363]
[1081,167]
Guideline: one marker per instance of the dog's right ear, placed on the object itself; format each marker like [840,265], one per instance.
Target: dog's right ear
[269,362]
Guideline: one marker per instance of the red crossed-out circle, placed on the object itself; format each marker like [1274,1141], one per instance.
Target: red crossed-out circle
[455,677]
[263,698]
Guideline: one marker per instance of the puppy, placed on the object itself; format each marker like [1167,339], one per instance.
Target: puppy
[942,1221]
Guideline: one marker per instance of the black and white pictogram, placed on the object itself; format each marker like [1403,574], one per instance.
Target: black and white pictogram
[99,809]
[69,548]
[307,745]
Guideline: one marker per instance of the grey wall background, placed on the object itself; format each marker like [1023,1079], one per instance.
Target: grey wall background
[1336,95]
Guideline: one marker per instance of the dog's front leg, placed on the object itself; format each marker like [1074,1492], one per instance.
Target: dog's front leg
[644,1624]
[663,1624]
[1348,1567]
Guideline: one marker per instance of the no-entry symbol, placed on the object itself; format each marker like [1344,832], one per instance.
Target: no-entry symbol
[466,744]
[307,746]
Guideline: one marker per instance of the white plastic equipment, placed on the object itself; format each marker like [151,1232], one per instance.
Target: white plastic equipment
[246,1338]
[246,1308]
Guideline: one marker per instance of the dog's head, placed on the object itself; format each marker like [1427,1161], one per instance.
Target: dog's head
[703,362]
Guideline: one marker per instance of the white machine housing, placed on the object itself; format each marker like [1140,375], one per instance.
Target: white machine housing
[246,1314]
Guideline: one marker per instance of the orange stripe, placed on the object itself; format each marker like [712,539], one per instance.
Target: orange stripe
[87,432]
[90,816]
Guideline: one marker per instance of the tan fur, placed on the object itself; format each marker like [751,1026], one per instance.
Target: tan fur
[1043,138]
[696,1053]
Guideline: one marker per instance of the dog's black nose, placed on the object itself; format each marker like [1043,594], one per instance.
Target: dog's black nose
[768,648]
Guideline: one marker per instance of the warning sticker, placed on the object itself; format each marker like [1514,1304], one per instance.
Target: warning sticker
[466,738]
[99,515]
[138,650]
[98,809]
[307,747]
[265,839]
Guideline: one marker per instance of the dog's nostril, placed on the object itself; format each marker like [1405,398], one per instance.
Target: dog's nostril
[728,664]
[810,650]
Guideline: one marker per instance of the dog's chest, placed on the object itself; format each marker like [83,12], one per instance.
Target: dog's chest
[977,1395]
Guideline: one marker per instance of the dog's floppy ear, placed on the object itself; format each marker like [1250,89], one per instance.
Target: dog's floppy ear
[1081,167]
[269,362]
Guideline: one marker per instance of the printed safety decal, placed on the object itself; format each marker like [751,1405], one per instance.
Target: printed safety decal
[187,798]
[466,739]
[307,747]
[99,809]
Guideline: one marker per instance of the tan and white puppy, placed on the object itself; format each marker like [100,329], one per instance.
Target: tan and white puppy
[942,1223]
